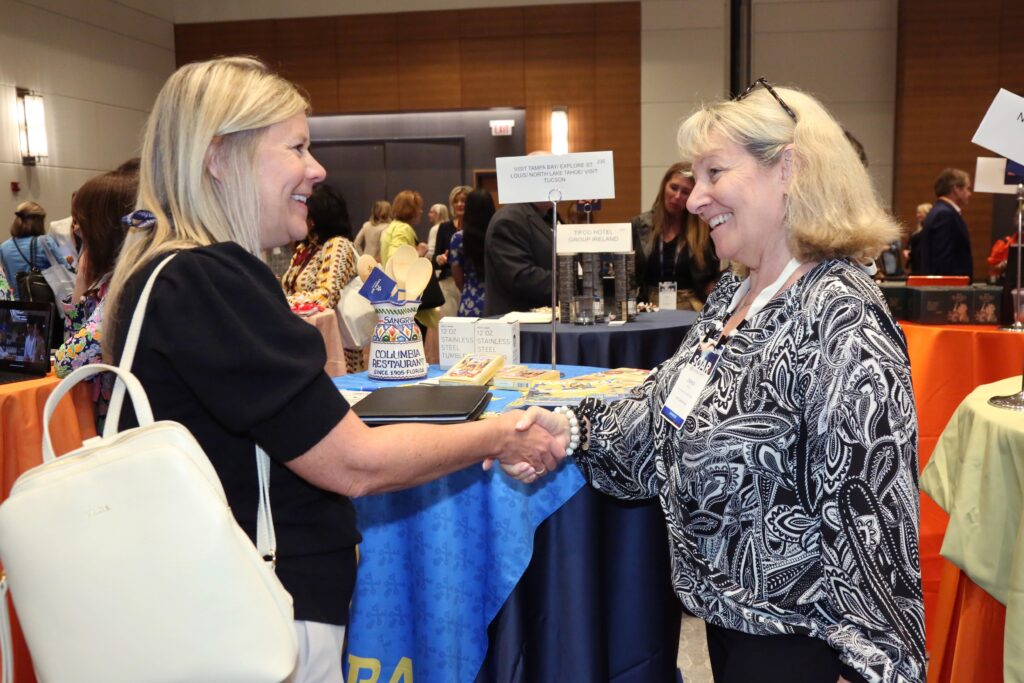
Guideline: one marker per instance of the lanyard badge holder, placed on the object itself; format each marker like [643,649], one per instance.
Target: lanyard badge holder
[696,374]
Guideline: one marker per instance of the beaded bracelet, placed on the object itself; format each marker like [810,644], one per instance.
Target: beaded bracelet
[574,428]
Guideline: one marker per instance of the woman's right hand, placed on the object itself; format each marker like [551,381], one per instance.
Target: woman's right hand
[545,435]
[81,278]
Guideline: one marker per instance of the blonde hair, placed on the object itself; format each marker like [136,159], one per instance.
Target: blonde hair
[441,212]
[464,190]
[381,212]
[221,108]
[832,209]
[695,230]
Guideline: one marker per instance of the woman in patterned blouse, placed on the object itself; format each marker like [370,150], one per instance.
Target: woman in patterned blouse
[96,210]
[781,438]
[467,252]
[325,261]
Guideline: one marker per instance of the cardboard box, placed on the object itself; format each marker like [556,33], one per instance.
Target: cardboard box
[940,305]
[988,305]
[895,294]
[498,336]
[456,338]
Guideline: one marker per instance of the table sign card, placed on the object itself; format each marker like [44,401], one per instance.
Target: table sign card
[1002,129]
[561,177]
[594,238]
[498,336]
[990,176]
[457,339]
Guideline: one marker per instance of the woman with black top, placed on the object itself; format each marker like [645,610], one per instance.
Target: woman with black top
[226,172]
[445,231]
[673,247]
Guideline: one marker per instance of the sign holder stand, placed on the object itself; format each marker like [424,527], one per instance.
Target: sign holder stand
[555,196]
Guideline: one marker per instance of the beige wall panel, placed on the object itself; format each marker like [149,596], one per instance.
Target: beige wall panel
[687,65]
[849,66]
[663,15]
[91,136]
[658,137]
[368,78]
[492,72]
[137,23]
[814,15]
[428,75]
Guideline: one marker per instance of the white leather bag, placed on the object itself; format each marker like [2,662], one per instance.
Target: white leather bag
[126,565]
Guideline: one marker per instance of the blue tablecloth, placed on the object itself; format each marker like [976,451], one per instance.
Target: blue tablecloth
[653,338]
[438,561]
[445,562]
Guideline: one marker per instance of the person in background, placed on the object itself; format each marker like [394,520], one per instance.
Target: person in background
[467,252]
[781,438]
[945,243]
[96,212]
[368,239]
[674,246]
[912,254]
[324,262]
[221,352]
[437,215]
[518,258]
[406,211]
[5,288]
[24,250]
[35,345]
[452,293]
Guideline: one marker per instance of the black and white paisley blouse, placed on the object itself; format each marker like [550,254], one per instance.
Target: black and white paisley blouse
[791,489]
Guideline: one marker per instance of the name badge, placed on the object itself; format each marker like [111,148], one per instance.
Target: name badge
[688,387]
[667,296]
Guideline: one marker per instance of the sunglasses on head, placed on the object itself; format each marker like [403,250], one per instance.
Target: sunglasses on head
[771,91]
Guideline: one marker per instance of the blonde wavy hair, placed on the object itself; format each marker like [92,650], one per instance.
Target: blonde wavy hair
[219,107]
[833,210]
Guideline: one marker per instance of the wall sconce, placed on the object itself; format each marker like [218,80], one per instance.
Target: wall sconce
[31,127]
[559,130]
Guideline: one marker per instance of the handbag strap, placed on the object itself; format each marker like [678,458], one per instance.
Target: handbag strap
[31,259]
[266,540]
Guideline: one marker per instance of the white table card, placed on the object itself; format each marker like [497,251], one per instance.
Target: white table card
[594,238]
[1002,129]
[562,177]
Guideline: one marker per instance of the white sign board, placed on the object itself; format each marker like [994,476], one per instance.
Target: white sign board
[594,238]
[561,177]
[990,176]
[1002,129]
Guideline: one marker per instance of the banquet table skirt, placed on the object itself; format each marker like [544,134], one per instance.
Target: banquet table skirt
[21,447]
[947,363]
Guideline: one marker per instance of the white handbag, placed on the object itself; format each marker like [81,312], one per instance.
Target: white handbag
[126,565]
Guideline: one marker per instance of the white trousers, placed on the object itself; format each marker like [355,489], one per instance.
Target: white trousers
[319,652]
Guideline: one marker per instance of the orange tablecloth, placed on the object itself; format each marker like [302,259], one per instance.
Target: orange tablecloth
[21,448]
[964,625]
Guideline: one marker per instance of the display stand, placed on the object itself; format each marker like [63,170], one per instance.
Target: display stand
[1017,325]
[554,196]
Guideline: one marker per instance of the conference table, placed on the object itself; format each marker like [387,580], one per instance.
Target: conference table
[644,343]
[476,577]
[963,623]
[21,448]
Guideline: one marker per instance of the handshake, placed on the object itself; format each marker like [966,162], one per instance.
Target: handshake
[535,442]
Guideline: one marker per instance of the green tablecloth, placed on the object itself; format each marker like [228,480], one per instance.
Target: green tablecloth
[976,474]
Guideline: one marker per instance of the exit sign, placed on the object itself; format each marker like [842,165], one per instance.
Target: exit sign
[502,127]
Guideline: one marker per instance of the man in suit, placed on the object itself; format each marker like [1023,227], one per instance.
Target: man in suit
[944,243]
[517,258]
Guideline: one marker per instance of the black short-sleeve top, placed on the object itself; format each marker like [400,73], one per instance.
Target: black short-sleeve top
[221,353]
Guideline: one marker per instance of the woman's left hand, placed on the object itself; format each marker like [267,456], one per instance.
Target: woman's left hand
[81,278]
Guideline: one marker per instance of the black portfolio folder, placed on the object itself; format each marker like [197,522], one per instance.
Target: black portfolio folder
[423,403]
